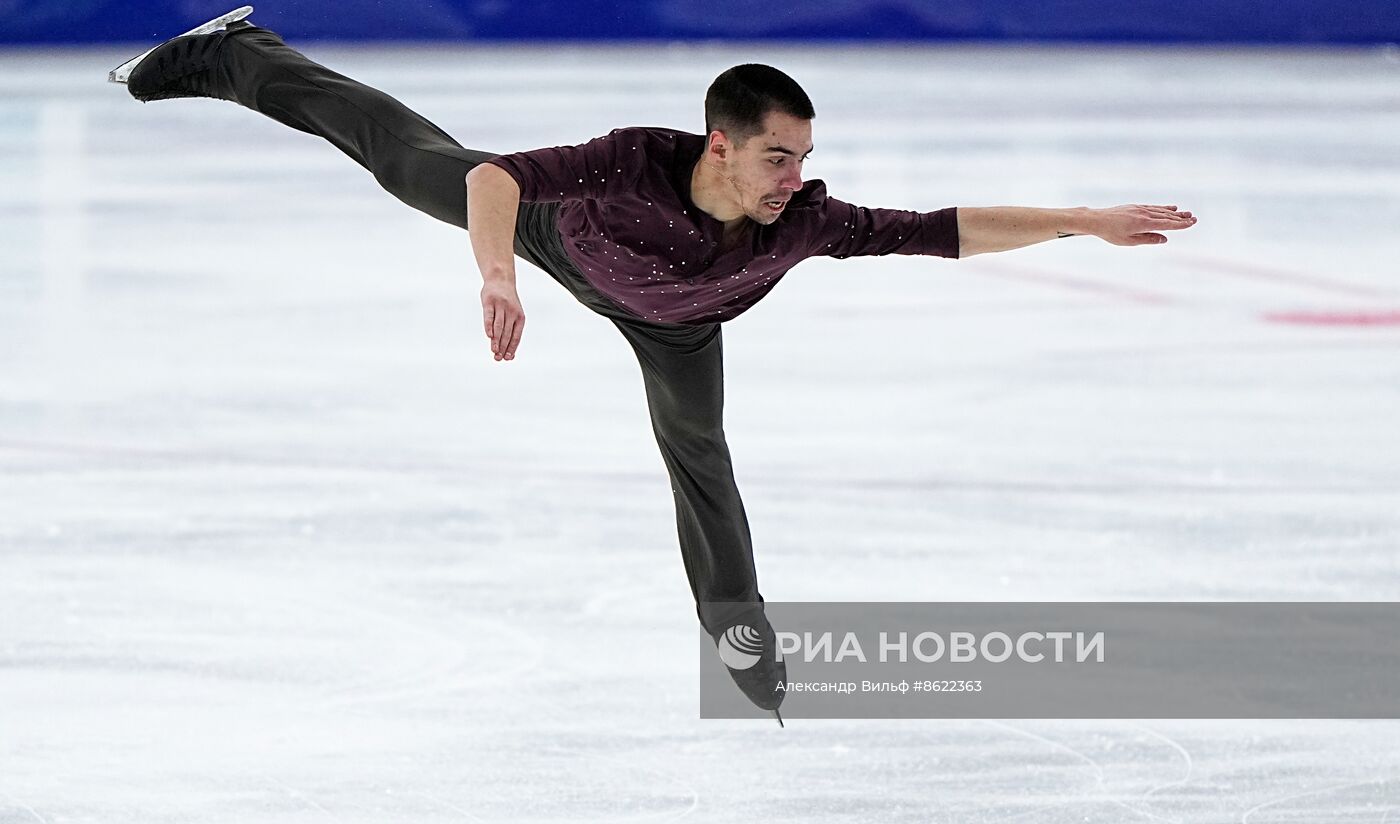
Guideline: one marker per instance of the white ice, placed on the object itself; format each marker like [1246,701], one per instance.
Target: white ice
[279,541]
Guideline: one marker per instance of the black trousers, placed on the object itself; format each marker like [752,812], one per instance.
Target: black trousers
[682,366]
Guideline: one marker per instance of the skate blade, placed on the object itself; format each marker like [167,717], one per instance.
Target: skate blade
[122,72]
[779,716]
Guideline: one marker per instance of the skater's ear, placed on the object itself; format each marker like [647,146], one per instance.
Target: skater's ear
[718,147]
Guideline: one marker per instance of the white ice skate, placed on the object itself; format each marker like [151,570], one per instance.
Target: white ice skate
[122,72]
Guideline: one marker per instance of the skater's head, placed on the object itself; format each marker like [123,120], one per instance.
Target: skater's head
[740,99]
[759,127]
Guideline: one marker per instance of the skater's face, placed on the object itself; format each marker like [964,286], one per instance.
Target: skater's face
[766,169]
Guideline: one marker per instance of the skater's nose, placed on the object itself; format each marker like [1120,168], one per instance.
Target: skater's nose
[792,181]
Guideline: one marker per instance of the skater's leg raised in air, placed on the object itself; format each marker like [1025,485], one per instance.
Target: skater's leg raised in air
[412,159]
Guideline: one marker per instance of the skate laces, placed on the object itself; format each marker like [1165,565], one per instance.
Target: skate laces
[181,67]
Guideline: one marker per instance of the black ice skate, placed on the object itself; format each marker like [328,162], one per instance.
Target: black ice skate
[179,67]
[739,646]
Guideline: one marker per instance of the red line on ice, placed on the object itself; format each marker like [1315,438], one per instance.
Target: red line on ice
[1336,318]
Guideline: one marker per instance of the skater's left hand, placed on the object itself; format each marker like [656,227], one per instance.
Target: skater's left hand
[1137,224]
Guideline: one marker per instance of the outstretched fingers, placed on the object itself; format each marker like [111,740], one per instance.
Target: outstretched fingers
[1141,223]
[1163,219]
[1169,213]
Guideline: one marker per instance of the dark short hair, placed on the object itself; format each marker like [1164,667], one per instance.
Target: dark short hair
[741,97]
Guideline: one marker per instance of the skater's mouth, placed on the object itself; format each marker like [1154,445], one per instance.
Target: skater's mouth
[775,205]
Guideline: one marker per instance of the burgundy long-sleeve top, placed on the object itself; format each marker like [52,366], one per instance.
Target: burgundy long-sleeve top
[629,225]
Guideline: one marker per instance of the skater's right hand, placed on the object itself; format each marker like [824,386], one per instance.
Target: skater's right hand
[502,317]
[493,203]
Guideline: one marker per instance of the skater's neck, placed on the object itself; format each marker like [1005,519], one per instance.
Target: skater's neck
[713,192]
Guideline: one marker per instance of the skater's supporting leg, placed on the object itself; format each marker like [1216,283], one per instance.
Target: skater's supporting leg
[683,371]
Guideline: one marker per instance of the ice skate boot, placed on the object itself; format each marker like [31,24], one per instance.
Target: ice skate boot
[751,656]
[180,67]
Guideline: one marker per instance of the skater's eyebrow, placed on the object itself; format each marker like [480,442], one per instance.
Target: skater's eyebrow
[789,152]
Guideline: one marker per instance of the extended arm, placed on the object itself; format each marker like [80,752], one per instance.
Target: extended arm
[999,228]
[493,198]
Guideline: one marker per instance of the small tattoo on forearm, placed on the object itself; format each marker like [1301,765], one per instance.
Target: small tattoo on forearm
[1064,234]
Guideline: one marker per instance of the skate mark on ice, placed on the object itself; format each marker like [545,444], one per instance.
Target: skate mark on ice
[1244,817]
[449,662]
[1099,780]
[456,668]
[1098,769]
[433,660]
[1185,755]
[471,816]
[297,794]
[25,807]
[672,777]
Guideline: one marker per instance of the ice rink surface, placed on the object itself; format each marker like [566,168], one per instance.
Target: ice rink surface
[279,541]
